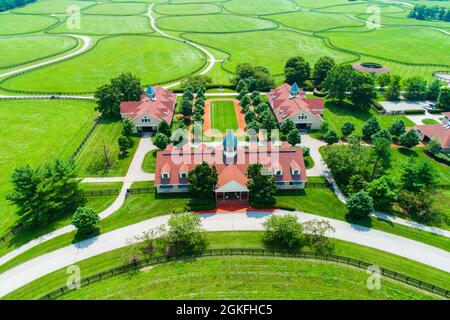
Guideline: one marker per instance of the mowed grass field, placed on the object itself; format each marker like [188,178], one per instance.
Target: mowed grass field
[259,6]
[21,50]
[182,9]
[11,24]
[34,132]
[223,116]
[117,9]
[151,58]
[53,6]
[91,159]
[244,278]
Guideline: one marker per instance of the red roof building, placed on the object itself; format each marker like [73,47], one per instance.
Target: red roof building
[284,162]
[441,132]
[156,105]
[289,102]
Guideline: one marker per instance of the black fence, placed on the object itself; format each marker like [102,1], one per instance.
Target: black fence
[141,190]
[11,233]
[322,185]
[253,252]
[88,135]
[97,193]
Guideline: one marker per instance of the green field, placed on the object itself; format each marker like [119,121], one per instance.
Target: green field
[149,163]
[21,24]
[223,116]
[91,160]
[21,50]
[259,6]
[98,65]
[117,9]
[26,125]
[52,6]
[184,9]
[244,278]
[250,239]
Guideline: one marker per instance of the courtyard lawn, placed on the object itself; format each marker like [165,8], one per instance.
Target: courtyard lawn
[214,23]
[54,128]
[136,54]
[429,121]
[149,163]
[105,25]
[237,240]
[91,161]
[223,116]
[245,278]
[20,24]
[21,50]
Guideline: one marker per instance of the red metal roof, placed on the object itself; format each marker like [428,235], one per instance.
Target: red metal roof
[438,131]
[285,106]
[161,107]
[180,159]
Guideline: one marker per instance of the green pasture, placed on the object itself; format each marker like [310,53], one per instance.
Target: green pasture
[401,19]
[257,7]
[104,25]
[111,56]
[223,116]
[214,23]
[20,50]
[184,9]
[358,7]
[259,48]
[53,6]
[34,132]
[11,24]
[117,9]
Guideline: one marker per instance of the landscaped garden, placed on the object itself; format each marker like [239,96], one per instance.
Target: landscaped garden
[223,116]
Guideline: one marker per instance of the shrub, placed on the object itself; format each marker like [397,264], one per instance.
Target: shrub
[360,205]
[161,141]
[315,231]
[185,234]
[284,231]
[331,137]
[85,220]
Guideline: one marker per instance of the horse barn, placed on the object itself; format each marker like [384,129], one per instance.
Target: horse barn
[156,105]
[284,162]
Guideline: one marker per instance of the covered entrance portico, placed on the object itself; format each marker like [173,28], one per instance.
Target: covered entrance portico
[232,191]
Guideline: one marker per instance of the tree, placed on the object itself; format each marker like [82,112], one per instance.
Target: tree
[324,128]
[245,103]
[384,79]
[382,191]
[283,231]
[45,193]
[255,77]
[240,86]
[433,146]
[362,90]
[322,67]
[315,234]
[287,126]
[331,137]
[202,181]
[294,137]
[338,82]
[186,108]
[397,128]
[260,108]
[256,98]
[161,141]
[370,127]
[249,117]
[382,134]
[417,175]
[261,186]
[163,127]
[382,153]
[85,220]
[267,121]
[394,88]
[444,98]
[416,88]
[127,127]
[421,206]
[296,70]
[409,139]
[244,93]
[197,82]
[434,90]
[185,234]
[125,143]
[360,205]
[347,129]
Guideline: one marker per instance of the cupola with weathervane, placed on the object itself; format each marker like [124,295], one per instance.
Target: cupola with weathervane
[150,92]
[295,91]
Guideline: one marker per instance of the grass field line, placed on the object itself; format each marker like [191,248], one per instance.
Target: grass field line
[211,59]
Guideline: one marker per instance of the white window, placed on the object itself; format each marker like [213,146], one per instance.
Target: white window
[183,175]
[295,172]
[278,172]
[165,175]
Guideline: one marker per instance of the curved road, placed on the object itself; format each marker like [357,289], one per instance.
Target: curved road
[48,263]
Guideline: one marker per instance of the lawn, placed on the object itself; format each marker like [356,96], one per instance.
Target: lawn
[91,160]
[105,25]
[21,50]
[185,9]
[136,54]
[214,23]
[117,9]
[244,278]
[149,163]
[223,116]
[20,24]
[259,6]
[429,121]
[52,6]
[237,240]
[34,132]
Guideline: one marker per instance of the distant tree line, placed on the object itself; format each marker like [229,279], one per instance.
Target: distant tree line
[11,4]
[422,12]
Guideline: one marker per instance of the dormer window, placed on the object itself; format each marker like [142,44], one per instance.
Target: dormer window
[278,172]
[295,172]
[165,175]
[183,175]
[145,119]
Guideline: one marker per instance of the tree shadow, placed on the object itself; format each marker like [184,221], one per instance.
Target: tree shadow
[408,152]
[364,223]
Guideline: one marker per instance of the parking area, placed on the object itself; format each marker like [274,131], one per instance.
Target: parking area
[402,106]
